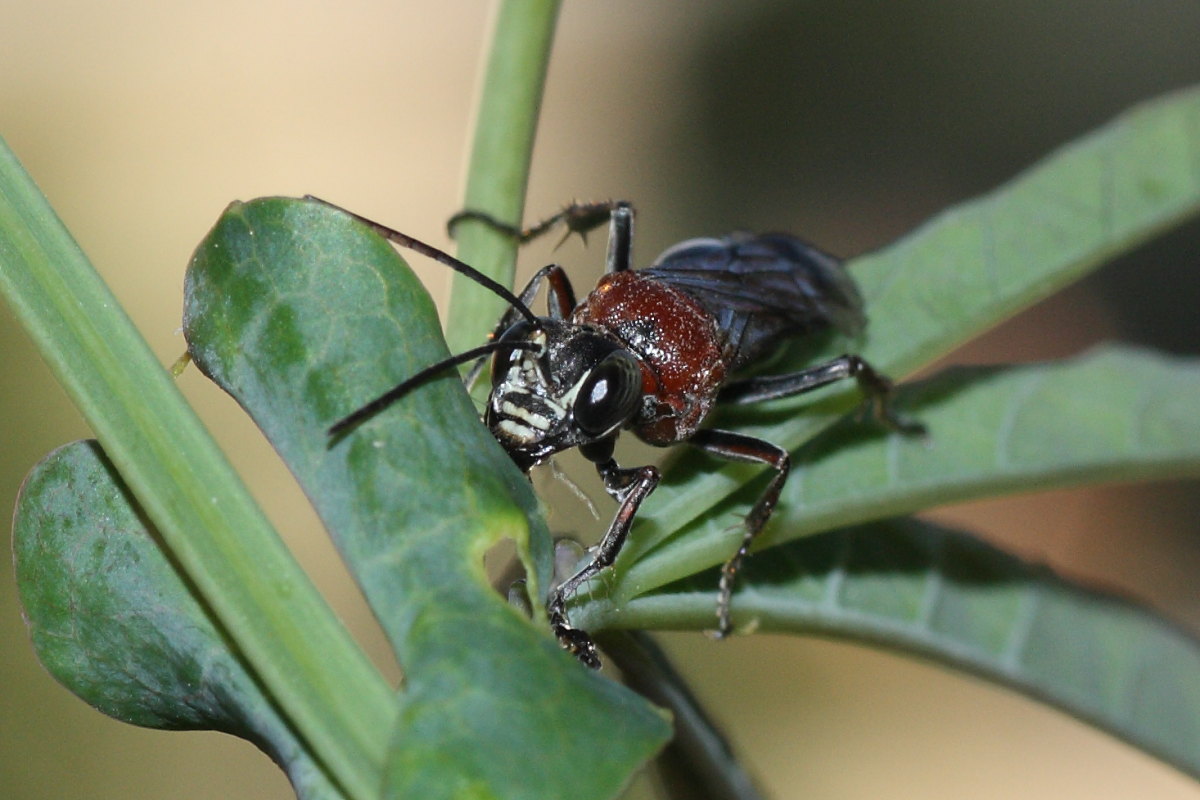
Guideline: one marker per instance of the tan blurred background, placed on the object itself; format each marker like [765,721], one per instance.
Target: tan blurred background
[847,122]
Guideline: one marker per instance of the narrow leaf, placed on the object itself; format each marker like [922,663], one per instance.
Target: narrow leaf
[944,595]
[1117,413]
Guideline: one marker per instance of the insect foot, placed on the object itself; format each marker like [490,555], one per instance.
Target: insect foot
[575,641]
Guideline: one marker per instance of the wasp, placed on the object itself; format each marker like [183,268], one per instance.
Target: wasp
[652,351]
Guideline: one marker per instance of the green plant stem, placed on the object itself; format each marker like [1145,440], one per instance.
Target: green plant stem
[505,126]
[698,763]
[215,532]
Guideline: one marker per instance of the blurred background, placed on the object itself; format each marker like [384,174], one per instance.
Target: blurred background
[849,123]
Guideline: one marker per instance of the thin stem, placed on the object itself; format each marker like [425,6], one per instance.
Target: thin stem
[698,763]
[500,157]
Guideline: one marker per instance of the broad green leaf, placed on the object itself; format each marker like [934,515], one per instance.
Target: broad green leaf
[216,534]
[973,266]
[944,595]
[1117,413]
[114,622]
[303,315]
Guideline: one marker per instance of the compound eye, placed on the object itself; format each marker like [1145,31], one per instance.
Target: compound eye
[609,395]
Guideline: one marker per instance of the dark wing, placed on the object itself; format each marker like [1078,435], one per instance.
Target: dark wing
[763,289]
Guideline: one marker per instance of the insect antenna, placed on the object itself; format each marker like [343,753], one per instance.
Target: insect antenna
[442,257]
[384,400]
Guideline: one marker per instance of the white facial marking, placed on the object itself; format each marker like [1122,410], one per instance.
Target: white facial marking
[510,409]
[516,431]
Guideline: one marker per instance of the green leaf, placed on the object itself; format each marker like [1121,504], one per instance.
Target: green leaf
[971,267]
[943,595]
[114,622]
[1117,413]
[303,315]
[217,536]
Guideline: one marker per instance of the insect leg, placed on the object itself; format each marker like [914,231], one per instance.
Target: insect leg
[580,218]
[560,295]
[630,487]
[875,385]
[620,238]
[739,447]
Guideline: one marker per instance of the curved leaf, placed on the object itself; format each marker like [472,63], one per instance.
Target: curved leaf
[975,265]
[1117,413]
[937,593]
[112,620]
[303,315]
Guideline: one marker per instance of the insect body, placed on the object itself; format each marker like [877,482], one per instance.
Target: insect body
[653,351]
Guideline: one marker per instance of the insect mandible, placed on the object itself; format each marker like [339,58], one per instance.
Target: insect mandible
[652,351]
